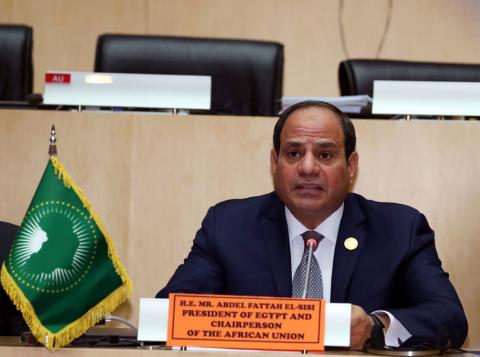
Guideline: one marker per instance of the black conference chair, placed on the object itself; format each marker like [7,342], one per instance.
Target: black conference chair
[11,321]
[247,76]
[356,76]
[16,69]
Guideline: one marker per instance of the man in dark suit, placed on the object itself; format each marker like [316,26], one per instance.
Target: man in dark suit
[11,321]
[380,257]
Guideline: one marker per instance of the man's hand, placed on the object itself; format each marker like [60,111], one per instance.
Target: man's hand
[360,328]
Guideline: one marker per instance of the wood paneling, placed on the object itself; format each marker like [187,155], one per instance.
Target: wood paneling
[151,178]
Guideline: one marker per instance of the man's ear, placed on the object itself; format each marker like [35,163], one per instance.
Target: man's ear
[352,163]
[273,161]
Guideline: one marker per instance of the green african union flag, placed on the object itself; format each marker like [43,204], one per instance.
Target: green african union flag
[62,271]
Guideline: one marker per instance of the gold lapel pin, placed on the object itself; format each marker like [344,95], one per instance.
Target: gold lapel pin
[351,243]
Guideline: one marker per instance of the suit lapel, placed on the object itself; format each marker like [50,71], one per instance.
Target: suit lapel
[345,260]
[275,234]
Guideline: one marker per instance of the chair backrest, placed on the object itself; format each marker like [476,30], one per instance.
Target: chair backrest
[16,69]
[11,321]
[356,76]
[247,76]
[7,235]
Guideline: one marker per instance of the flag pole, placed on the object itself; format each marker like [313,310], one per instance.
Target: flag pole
[52,150]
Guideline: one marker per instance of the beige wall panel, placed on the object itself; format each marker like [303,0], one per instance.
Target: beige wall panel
[6,13]
[65,31]
[181,167]
[428,30]
[151,178]
[307,28]
[434,30]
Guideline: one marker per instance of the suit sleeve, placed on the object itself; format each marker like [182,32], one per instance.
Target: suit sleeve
[434,310]
[201,271]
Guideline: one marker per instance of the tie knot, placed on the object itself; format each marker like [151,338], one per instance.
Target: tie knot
[311,237]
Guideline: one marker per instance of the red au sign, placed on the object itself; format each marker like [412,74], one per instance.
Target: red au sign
[58,78]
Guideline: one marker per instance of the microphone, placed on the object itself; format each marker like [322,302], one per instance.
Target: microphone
[311,243]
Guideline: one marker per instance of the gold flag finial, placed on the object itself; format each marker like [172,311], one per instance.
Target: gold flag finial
[52,150]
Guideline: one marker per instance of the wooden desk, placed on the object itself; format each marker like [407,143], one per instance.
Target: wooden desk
[151,178]
[16,351]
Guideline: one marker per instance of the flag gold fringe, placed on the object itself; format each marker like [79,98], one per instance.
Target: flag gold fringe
[73,330]
[91,317]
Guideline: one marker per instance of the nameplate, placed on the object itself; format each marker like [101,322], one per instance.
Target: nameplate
[426,98]
[126,90]
[241,322]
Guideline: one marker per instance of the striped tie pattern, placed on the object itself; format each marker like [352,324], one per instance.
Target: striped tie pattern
[315,283]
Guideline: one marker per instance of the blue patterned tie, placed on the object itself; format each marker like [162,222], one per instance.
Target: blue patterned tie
[315,284]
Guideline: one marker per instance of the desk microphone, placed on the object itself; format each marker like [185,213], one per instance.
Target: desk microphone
[312,244]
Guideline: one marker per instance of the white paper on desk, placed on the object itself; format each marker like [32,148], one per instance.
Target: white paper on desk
[153,322]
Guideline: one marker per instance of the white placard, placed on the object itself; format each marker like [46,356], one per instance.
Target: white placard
[337,324]
[426,98]
[127,90]
[153,322]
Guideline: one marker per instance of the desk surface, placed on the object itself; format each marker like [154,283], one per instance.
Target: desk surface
[10,347]
[151,179]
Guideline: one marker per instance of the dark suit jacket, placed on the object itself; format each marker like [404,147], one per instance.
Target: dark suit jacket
[11,321]
[242,248]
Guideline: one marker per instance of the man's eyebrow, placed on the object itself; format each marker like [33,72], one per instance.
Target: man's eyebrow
[322,144]
[294,143]
[326,144]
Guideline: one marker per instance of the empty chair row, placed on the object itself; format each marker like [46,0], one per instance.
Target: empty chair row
[247,75]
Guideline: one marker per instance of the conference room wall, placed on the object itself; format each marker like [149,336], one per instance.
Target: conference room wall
[65,31]
[151,179]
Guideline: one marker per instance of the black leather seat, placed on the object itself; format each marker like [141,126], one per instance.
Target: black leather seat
[356,76]
[16,69]
[247,76]
[11,321]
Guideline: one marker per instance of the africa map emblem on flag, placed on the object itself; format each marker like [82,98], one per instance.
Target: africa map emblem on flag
[55,247]
[62,271]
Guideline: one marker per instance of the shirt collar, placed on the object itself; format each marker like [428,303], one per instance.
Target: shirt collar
[328,228]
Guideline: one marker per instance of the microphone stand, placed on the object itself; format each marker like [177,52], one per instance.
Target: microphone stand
[309,262]
[311,247]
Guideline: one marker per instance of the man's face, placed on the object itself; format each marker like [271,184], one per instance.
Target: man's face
[311,174]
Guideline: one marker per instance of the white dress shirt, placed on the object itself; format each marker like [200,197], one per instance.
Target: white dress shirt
[326,248]
[324,255]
